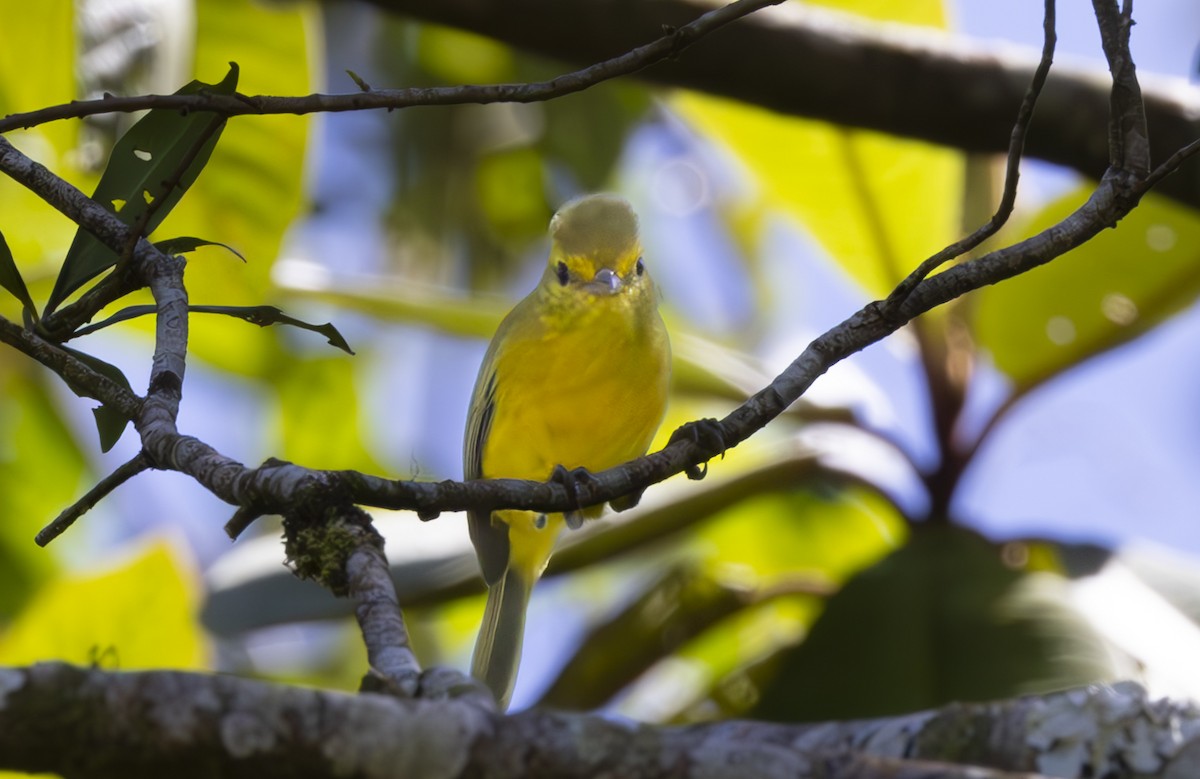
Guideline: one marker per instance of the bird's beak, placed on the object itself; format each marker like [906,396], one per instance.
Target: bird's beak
[605,282]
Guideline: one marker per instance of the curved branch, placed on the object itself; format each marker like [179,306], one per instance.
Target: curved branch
[280,486]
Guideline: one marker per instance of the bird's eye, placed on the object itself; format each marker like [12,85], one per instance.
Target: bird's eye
[563,274]
[641,267]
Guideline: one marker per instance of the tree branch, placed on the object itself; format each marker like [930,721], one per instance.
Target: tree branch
[157,723]
[636,57]
[1012,171]
[278,486]
[807,61]
[126,471]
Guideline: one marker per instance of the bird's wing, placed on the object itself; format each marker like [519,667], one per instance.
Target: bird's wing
[490,538]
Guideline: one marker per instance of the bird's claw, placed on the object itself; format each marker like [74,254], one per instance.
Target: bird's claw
[570,480]
[708,435]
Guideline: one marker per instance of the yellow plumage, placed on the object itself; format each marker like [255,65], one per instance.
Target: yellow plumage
[576,375]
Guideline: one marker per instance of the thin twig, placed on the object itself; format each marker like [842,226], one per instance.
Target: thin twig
[126,471]
[1012,173]
[1171,165]
[669,45]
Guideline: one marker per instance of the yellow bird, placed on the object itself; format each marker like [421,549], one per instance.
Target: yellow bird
[575,377]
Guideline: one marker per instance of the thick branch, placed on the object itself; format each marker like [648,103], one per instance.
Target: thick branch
[802,60]
[88,722]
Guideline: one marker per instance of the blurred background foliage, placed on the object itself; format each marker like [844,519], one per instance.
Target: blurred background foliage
[823,569]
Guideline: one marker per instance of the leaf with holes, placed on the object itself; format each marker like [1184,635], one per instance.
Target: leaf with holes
[149,170]
[110,423]
[10,279]
[185,244]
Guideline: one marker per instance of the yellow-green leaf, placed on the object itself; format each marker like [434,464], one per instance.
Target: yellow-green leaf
[878,205]
[1114,287]
[139,614]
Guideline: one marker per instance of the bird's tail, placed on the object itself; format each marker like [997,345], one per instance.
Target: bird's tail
[498,648]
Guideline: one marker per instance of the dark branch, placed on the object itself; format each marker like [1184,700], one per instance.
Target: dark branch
[1128,139]
[126,471]
[805,61]
[1012,173]
[636,58]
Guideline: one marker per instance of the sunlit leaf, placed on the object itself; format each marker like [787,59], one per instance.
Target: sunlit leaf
[943,619]
[187,244]
[854,191]
[878,205]
[138,615]
[1111,289]
[460,57]
[312,392]
[10,278]
[252,189]
[110,423]
[927,13]
[827,529]
[150,169]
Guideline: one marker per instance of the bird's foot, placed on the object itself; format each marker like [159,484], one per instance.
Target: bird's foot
[570,480]
[626,502]
[706,434]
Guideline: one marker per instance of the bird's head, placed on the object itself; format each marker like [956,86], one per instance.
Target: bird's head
[595,247]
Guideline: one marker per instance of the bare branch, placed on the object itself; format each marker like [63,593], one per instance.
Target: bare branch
[126,471]
[79,377]
[803,60]
[1012,172]
[636,58]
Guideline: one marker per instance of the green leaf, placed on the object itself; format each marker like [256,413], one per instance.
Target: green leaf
[943,619]
[1116,286]
[150,169]
[853,191]
[10,279]
[41,470]
[138,615]
[312,391]
[110,423]
[269,315]
[257,315]
[185,244]
[252,189]
[685,601]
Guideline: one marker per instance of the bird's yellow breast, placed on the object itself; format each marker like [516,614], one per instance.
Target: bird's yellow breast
[585,388]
